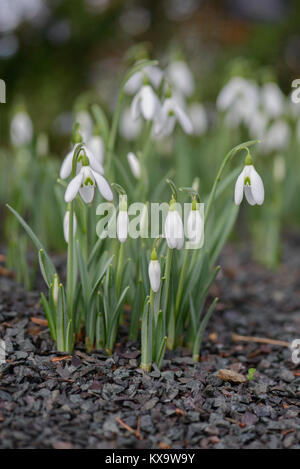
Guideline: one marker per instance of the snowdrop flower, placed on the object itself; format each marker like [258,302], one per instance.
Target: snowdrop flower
[180,77]
[250,183]
[84,183]
[134,165]
[272,100]
[66,167]
[129,128]
[152,73]
[171,112]
[145,103]
[86,125]
[154,271]
[277,137]
[257,124]
[21,129]
[122,220]
[194,226]
[66,225]
[198,118]
[174,227]
[96,145]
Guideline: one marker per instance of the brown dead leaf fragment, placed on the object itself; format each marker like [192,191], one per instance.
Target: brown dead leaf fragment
[163,445]
[6,273]
[60,359]
[229,375]
[39,321]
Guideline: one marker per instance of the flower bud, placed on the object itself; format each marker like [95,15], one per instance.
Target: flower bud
[174,227]
[154,271]
[122,220]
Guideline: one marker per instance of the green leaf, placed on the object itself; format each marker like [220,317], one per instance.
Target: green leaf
[100,277]
[86,285]
[202,328]
[49,316]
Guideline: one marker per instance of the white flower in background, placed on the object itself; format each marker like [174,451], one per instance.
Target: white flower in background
[194,226]
[277,137]
[66,167]
[152,73]
[174,232]
[197,114]
[250,183]
[239,99]
[66,225]
[272,100]
[257,124]
[84,183]
[154,271]
[130,129]
[134,165]
[180,77]
[85,122]
[279,168]
[122,220]
[145,103]
[170,113]
[21,129]
[96,145]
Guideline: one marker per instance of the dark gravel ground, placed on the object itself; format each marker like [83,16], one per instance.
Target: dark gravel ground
[87,400]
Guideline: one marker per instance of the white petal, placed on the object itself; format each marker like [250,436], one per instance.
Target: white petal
[94,162]
[135,106]
[169,230]
[122,225]
[96,146]
[66,167]
[181,77]
[257,186]
[103,186]
[129,128]
[134,165]
[239,188]
[248,195]
[73,187]
[155,75]
[66,225]
[194,227]
[149,103]
[87,193]
[134,83]
[183,120]
[154,272]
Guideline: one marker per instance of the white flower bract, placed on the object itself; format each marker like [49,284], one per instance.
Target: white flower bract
[250,183]
[145,103]
[66,167]
[154,272]
[174,229]
[122,225]
[84,183]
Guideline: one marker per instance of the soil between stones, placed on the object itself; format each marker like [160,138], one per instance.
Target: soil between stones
[87,401]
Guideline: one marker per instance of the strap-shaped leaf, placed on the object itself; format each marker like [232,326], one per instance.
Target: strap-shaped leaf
[202,328]
[86,285]
[49,316]
[99,279]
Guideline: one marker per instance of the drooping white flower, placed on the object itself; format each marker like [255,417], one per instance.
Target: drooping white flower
[130,129]
[180,77]
[84,183]
[21,129]
[250,183]
[198,118]
[122,220]
[66,167]
[134,165]
[66,225]
[96,145]
[145,103]
[135,82]
[277,137]
[85,122]
[272,100]
[174,227]
[194,227]
[172,112]
[154,272]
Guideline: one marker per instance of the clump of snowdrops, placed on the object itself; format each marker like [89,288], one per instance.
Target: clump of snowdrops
[163,279]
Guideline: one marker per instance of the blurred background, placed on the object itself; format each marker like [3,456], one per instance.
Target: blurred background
[57,57]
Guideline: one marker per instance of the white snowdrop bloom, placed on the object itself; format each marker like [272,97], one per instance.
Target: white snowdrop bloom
[180,77]
[84,183]
[272,100]
[152,73]
[130,129]
[96,145]
[257,124]
[171,112]
[194,227]
[122,221]
[21,129]
[145,103]
[134,165]
[250,183]
[154,272]
[277,137]
[85,123]
[66,167]
[66,225]
[198,118]
[174,232]
[279,168]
